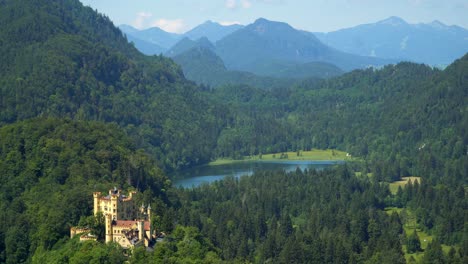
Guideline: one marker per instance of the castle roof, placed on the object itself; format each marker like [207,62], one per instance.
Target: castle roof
[129,224]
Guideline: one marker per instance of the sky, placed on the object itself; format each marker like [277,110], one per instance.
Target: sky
[179,16]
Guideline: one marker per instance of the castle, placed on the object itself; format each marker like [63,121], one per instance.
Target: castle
[124,224]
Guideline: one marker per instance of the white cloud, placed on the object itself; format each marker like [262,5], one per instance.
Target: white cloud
[231,4]
[246,3]
[229,23]
[141,19]
[174,26]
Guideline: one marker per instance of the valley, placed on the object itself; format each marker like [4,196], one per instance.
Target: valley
[332,140]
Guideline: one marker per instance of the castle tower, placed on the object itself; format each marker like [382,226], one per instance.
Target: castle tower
[96,196]
[149,220]
[141,230]
[114,206]
[109,237]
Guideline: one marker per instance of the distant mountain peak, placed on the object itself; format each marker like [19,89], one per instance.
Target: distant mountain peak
[264,21]
[393,21]
[437,24]
[155,29]
[212,30]
[261,20]
[128,28]
[205,42]
[262,25]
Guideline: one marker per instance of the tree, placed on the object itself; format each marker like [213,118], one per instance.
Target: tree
[434,254]
[412,243]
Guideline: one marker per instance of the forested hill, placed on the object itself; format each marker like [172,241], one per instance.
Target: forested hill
[49,169]
[401,117]
[62,59]
[409,116]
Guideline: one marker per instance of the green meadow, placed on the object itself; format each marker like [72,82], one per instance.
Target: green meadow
[312,155]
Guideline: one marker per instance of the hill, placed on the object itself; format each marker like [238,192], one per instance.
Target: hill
[50,168]
[267,40]
[409,119]
[394,38]
[74,63]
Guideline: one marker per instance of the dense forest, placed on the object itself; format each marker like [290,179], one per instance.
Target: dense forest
[50,168]
[74,63]
[82,110]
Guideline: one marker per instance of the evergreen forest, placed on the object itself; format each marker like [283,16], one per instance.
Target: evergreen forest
[81,110]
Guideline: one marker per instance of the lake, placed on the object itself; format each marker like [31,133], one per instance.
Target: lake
[207,174]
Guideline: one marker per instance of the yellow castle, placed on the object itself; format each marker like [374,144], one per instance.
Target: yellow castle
[124,224]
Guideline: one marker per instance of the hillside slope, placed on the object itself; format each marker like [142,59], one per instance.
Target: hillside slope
[61,59]
[50,168]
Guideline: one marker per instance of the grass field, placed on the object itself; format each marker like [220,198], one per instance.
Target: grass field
[315,154]
[394,185]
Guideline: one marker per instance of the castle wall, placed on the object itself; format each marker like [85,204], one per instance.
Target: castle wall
[115,204]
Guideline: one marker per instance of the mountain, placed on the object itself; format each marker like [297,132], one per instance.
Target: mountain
[266,40]
[145,47]
[186,44]
[201,65]
[211,30]
[394,38]
[163,40]
[61,59]
[152,35]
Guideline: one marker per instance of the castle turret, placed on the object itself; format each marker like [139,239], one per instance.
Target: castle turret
[109,228]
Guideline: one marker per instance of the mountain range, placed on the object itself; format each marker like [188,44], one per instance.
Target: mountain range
[276,50]
[154,40]
[255,47]
[393,38]
[269,49]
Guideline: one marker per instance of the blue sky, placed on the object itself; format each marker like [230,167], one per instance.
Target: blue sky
[311,15]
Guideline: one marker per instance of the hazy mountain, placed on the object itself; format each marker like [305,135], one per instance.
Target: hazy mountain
[146,47]
[267,40]
[165,40]
[201,65]
[152,35]
[211,30]
[433,43]
[186,44]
